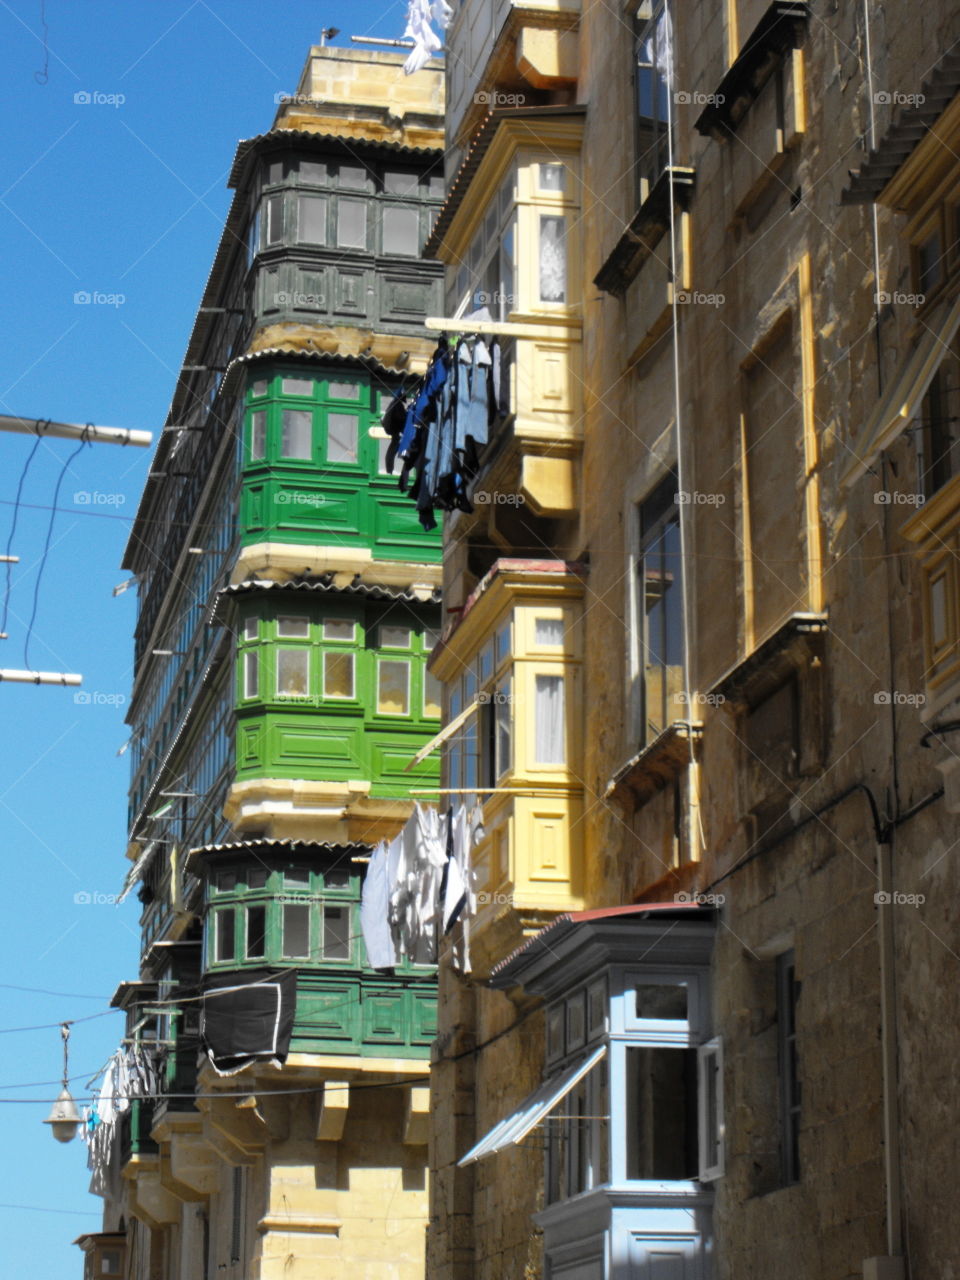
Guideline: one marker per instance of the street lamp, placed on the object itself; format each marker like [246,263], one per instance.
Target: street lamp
[64,1118]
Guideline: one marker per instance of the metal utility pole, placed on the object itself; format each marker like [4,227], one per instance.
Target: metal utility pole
[93,434]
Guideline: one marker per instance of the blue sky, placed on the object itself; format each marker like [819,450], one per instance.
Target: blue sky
[121,197]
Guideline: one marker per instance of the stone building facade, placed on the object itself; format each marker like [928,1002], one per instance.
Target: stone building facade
[718,933]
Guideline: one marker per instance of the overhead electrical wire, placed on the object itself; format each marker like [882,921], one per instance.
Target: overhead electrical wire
[84,442]
[13,529]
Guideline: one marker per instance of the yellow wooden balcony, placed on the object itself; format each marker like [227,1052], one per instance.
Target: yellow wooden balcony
[516,657]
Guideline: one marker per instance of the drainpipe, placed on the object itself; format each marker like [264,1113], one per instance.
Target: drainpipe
[891,1267]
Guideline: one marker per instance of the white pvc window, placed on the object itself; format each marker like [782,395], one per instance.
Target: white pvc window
[710,1105]
[549,721]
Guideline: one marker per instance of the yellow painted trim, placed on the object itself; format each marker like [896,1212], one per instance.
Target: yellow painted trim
[811,448]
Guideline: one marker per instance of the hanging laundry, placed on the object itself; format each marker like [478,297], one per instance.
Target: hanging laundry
[426,42]
[374,912]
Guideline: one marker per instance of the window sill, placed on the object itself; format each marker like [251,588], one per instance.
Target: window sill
[657,765]
[778,32]
[792,648]
[648,226]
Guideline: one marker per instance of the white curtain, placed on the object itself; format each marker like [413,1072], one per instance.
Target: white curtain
[550,747]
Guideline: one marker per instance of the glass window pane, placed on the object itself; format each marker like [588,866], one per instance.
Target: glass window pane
[256,877]
[550,731]
[661,1000]
[258,434]
[662,1114]
[297,386]
[352,224]
[503,714]
[273,223]
[273,172]
[313,171]
[226,948]
[226,880]
[432,694]
[383,444]
[293,673]
[551,177]
[250,628]
[338,675]
[436,186]
[259,388]
[251,674]
[293,627]
[400,184]
[296,439]
[486,662]
[296,929]
[342,432]
[401,230]
[337,878]
[312,219]
[394,637]
[256,932]
[343,390]
[549,631]
[339,629]
[353,176]
[336,933]
[553,259]
[503,643]
[299,876]
[393,688]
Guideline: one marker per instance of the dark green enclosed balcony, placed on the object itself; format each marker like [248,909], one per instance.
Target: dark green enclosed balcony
[288,904]
[314,471]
